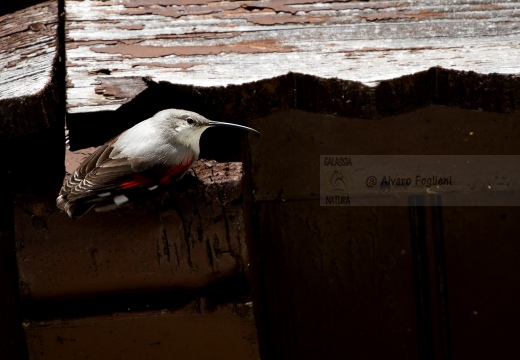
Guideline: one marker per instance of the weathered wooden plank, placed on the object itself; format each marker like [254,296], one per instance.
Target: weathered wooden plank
[31,83]
[220,331]
[31,101]
[217,43]
[190,238]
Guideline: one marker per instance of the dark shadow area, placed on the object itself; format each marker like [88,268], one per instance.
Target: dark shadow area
[12,339]
[11,6]
[35,161]
[240,103]
[32,148]
[93,129]
[330,282]
[229,290]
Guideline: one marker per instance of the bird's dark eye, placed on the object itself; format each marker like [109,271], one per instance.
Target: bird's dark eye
[190,120]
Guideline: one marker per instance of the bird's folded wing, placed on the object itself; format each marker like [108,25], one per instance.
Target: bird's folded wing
[113,175]
[100,172]
[107,172]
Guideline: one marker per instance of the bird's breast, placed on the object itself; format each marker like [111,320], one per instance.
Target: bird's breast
[177,169]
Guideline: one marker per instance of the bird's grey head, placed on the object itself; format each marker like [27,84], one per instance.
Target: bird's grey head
[188,126]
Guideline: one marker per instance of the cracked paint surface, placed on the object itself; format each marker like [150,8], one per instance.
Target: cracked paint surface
[217,43]
[149,51]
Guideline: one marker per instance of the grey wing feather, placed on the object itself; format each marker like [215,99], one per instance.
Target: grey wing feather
[98,173]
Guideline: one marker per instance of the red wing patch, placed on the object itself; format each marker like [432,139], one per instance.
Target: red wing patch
[178,169]
[150,176]
[137,181]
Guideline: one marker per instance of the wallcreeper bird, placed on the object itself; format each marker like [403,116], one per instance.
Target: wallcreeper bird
[152,153]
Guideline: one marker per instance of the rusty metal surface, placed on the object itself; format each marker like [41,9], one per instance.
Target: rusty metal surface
[217,43]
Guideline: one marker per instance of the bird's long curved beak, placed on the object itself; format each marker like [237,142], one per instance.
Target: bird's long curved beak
[219,123]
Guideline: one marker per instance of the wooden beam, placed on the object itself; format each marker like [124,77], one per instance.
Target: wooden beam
[31,103]
[219,43]
[32,73]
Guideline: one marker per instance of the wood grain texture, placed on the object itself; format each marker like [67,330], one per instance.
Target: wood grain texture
[30,70]
[27,49]
[191,237]
[218,43]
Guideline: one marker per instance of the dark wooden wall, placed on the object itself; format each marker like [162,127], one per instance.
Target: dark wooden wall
[417,282]
[182,275]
